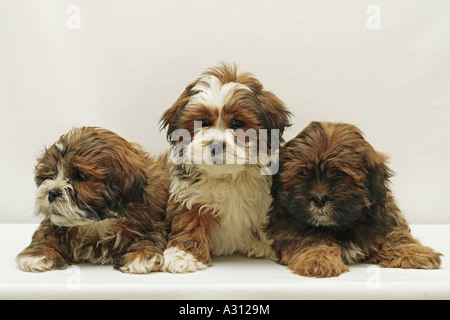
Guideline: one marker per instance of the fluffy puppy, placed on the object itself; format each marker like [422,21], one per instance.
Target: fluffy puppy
[220,193]
[333,206]
[103,200]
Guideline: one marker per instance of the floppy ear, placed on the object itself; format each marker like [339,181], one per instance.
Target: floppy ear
[126,177]
[274,114]
[170,117]
[377,176]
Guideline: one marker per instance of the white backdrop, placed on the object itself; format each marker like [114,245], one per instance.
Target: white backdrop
[383,65]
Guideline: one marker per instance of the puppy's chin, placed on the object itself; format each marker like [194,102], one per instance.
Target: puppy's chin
[62,211]
[321,217]
[69,216]
[62,221]
[315,217]
[218,170]
[329,215]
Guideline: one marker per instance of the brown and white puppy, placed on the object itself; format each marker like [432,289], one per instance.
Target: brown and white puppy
[220,191]
[333,206]
[103,200]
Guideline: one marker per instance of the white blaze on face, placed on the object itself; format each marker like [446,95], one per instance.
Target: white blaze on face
[215,145]
[212,93]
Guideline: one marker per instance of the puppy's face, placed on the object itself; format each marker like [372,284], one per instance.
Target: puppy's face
[330,173]
[89,174]
[223,112]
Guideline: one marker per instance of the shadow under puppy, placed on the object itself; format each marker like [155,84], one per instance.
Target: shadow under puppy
[333,206]
[103,200]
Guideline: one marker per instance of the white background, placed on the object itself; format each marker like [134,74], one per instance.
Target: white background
[130,60]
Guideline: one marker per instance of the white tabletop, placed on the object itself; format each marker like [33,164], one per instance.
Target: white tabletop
[235,277]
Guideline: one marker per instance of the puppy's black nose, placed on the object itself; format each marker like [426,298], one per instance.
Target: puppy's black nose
[53,194]
[320,201]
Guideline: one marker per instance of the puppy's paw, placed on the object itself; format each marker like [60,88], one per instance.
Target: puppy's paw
[320,262]
[260,249]
[140,262]
[38,263]
[179,261]
[401,250]
[412,256]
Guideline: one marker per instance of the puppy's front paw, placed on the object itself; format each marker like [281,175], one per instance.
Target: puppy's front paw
[413,256]
[38,263]
[179,261]
[319,262]
[260,249]
[401,250]
[140,262]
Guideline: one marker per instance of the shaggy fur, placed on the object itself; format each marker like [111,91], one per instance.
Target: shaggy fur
[333,206]
[217,207]
[103,200]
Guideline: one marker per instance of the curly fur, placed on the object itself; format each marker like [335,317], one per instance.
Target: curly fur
[333,206]
[103,200]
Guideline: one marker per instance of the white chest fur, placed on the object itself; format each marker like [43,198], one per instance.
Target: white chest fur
[241,203]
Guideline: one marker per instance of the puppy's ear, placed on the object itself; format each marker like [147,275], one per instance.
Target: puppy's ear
[377,176]
[274,114]
[126,177]
[171,116]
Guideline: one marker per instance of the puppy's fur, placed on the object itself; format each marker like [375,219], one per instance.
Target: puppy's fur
[220,208]
[103,200]
[333,206]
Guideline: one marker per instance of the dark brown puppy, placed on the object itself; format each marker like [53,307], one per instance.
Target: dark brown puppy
[333,206]
[103,200]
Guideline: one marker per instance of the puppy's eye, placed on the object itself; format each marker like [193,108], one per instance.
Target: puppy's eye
[81,176]
[48,176]
[205,122]
[41,179]
[337,173]
[237,124]
[302,173]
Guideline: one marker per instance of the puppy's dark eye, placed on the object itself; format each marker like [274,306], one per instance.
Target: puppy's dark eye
[205,122]
[41,179]
[335,173]
[237,124]
[81,176]
[47,176]
[302,173]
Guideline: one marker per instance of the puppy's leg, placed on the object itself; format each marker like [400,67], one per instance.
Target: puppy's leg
[315,258]
[260,247]
[140,251]
[401,250]
[142,257]
[188,248]
[46,250]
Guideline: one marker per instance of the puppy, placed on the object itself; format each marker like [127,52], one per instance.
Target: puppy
[333,206]
[103,200]
[220,189]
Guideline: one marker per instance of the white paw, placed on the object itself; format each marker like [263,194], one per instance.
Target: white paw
[179,261]
[260,249]
[140,266]
[34,264]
